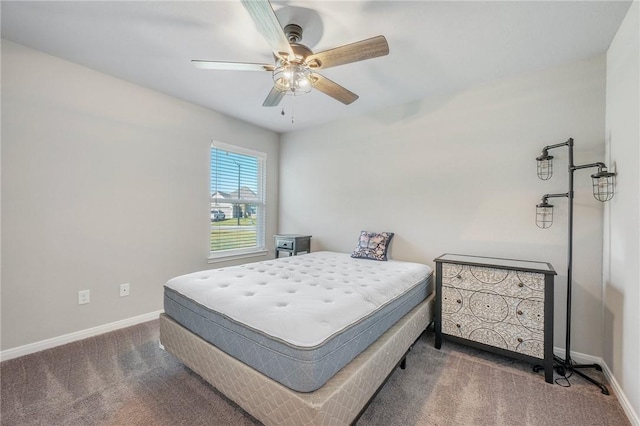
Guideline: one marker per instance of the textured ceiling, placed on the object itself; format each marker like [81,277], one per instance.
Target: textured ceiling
[435,46]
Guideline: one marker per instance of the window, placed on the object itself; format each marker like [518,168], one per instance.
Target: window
[237,200]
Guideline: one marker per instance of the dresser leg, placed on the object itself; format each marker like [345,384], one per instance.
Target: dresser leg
[437,329]
[438,343]
[548,370]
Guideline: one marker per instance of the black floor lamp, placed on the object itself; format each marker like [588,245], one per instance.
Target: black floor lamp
[602,183]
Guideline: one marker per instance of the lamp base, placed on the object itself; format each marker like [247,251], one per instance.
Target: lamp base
[563,367]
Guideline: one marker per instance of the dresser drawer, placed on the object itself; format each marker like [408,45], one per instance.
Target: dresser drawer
[488,306]
[509,283]
[511,337]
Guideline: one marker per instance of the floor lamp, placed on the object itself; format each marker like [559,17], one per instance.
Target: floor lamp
[602,183]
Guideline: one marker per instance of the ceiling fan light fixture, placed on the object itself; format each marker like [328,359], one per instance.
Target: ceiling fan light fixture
[292,78]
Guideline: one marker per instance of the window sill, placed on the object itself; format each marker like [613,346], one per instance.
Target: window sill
[236,256]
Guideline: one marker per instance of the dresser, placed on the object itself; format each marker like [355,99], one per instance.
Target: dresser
[500,305]
[292,244]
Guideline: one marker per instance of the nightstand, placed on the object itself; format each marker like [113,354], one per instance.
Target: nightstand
[292,244]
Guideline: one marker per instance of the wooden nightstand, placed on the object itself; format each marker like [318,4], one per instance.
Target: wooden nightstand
[292,244]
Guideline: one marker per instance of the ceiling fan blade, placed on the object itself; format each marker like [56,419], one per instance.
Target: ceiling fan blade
[267,24]
[231,66]
[273,98]
[334,90]
[354,52]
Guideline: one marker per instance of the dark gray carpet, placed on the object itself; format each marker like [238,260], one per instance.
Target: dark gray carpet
[123,378]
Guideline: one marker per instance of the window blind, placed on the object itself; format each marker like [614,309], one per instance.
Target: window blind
[237,200]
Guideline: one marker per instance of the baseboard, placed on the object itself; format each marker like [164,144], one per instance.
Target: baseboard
[590,359]
[78,335]
[578,356]
[624,401]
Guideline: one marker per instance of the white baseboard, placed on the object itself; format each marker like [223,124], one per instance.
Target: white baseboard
[590,359]
[624,401]
[78,335]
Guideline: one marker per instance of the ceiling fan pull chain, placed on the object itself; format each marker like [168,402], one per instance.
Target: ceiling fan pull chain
[282,112]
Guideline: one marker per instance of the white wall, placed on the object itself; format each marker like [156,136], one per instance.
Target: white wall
[103,182]
[458,174]
[622,219]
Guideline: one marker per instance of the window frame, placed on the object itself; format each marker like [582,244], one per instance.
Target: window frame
[261,224]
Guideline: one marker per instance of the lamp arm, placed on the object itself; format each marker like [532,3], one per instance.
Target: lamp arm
[599,165]
[569,142]
[545,196]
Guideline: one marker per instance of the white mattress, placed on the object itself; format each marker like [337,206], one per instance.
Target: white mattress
[320,294]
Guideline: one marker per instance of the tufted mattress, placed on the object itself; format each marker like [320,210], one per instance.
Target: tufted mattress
[297,320]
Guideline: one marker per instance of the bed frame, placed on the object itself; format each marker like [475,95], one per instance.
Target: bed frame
[340,401]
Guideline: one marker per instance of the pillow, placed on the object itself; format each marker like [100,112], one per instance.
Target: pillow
[372,245]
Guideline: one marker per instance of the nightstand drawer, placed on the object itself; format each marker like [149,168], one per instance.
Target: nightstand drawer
[284,244]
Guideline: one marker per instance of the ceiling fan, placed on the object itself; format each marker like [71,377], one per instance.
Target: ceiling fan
[295,70]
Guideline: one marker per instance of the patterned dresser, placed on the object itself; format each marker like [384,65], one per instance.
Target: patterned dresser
[501,305]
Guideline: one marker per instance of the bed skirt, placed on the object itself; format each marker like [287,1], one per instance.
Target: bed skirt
[339,401]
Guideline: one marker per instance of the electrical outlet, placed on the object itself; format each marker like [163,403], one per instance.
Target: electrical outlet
[124,290]
[83,297]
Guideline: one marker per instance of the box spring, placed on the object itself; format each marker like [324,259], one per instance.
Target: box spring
[339,401]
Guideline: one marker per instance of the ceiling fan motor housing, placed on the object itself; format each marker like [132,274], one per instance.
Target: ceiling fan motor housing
[293,33]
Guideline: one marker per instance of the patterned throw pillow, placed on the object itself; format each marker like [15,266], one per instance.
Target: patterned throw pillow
[372,245]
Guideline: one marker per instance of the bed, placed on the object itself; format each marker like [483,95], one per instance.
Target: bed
[299,340]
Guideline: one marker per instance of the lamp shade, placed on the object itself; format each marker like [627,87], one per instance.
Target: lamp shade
[602,183]
[545,166]
[292,78]
[544,215]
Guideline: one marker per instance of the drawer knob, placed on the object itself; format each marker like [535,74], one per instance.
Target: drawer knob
[458,325]
[458,301]
[520,285]
[519,339]
[519,312]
